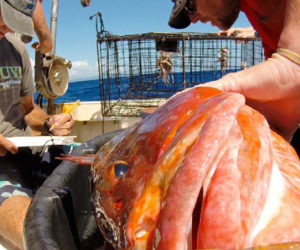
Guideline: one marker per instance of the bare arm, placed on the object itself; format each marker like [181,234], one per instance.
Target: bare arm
[273,87]
[35,118]
[27,107]
[289,38]
[42,30]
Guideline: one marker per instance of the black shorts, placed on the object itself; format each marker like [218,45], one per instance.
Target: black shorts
[8,189]
[25,172]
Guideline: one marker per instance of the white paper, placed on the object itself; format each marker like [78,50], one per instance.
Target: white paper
[39,141]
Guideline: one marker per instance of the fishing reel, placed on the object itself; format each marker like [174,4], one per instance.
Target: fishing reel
[51,75]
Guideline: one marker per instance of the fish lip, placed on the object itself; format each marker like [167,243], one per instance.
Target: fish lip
[111,231]
[110,228]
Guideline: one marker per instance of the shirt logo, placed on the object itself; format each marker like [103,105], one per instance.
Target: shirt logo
[10,76]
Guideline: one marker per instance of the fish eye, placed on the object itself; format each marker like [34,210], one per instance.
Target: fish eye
[120,169]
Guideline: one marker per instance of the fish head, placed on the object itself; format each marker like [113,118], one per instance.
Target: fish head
[125,164]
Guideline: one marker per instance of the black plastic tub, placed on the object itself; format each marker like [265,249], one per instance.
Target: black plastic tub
[61,213]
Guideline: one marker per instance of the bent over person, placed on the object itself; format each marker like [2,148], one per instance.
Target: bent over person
[18,115]
[273,86]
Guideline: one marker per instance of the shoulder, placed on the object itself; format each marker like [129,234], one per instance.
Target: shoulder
[17,43]
[19,47]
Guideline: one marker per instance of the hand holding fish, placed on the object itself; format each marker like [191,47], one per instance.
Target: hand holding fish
[271,87]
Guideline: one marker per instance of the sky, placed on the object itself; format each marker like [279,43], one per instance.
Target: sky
[76,33]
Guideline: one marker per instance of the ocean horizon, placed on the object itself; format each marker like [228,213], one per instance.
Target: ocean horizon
[89,90]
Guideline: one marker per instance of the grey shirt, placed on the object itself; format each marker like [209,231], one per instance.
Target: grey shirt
[15,82]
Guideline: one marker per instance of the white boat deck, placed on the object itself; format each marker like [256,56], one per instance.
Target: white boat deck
[90,123]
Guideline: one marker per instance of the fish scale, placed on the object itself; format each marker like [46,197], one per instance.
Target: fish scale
[203,171]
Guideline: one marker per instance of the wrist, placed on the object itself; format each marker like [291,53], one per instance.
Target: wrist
[47,126]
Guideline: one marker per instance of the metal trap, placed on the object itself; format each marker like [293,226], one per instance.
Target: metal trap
[142,70]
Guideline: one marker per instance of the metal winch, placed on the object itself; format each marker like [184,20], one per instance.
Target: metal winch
[51,71]
[51,77]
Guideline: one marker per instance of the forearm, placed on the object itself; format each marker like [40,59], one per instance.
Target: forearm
[289,37]
[279,77]
[41,29]
[36,118]
[273,88]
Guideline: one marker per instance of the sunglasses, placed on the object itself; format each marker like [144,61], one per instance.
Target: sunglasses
[190,7]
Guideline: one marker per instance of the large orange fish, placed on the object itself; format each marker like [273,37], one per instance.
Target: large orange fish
[203,171]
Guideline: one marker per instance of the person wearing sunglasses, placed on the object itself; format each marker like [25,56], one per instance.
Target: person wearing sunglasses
[273,86]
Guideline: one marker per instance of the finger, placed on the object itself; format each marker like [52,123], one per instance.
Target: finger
[65,117]
[222,33]
[3,151]
[36,46]
[61,131]
[65,125]
[8,145]
[60,119]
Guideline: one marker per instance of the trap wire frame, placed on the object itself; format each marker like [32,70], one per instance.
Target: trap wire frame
[142,70]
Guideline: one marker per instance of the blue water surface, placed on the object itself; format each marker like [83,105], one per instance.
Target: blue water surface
[140,87]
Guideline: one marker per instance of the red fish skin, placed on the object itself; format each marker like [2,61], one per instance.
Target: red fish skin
[255,166]
[222,198]
[143,215]
[140,146]
[168,168]
[182,194]
[284,225]
[235,197]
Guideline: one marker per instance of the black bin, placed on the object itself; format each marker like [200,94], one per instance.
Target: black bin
[61,214]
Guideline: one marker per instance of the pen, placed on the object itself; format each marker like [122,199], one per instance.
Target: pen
[67,112]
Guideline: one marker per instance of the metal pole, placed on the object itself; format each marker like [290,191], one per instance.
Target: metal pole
[183,63]
[53,23]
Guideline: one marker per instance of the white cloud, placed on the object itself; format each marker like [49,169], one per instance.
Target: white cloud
[80,70]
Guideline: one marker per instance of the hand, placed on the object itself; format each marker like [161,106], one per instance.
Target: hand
[248,32]
[271,87]
[42,48]
[63,124]
[6,145]
[239,33]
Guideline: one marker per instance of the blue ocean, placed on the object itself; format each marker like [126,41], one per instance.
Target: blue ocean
[145,86]
[84,90]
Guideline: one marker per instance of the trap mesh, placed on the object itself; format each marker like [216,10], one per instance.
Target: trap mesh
[142,70]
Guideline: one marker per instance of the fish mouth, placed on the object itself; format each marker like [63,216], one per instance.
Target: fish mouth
[110,228]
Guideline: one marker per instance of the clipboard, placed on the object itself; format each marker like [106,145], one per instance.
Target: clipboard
[40,141]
